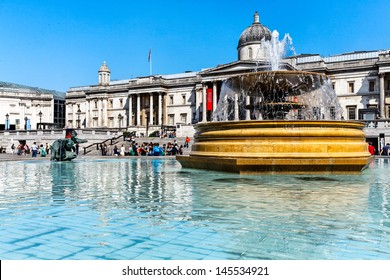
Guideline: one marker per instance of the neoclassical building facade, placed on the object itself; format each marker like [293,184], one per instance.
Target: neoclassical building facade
[361,81]
[26,108]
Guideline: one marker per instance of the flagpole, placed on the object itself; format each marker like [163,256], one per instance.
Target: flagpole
[150,61]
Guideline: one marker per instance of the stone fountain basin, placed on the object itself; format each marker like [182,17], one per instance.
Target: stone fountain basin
[282,146]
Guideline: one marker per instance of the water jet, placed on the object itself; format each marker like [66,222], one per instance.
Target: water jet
[278,122]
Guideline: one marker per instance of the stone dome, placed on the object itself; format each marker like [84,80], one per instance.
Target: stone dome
[104,67]
[254,33]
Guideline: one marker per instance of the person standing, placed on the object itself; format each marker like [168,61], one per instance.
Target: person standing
[371,148]
[13,148]
[77,148]
[34,149]
[123,150]
[187,142]
[42,151]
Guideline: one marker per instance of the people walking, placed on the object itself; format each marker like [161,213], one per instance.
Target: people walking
[385,150]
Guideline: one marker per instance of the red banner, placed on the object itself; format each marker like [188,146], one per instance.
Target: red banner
[209,103]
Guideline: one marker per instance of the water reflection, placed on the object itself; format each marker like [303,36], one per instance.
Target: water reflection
[268,216]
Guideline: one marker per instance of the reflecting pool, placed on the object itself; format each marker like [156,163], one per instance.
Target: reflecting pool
[151,208]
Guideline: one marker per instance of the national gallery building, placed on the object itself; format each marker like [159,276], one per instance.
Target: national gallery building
[29,108]
[360,79]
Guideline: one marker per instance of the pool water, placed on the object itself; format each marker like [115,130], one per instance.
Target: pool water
[152,209]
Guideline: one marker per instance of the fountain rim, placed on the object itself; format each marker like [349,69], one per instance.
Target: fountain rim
[219,125]
[285,71]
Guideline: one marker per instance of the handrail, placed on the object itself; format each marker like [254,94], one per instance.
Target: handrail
[101,143]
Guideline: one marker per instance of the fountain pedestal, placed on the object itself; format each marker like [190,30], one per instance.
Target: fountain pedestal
[280,146]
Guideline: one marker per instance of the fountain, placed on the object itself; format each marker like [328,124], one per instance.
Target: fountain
[63,149]
[278,121]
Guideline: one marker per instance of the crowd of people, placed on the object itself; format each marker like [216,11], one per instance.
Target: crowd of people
[144,149]
[34,149]
[133,149]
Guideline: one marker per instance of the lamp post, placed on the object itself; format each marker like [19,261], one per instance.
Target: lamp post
[78,118]
[40,119]
[6,121]
[25,123]
[120,117]
[147,122]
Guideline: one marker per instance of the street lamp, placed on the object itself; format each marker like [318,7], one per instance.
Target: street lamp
[120,117]
[25,123]
[147,122]
[40,119]
[6,121]
[78,118]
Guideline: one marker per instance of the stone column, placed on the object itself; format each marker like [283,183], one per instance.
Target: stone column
[87,113]
[204,103]
[215,101]
[382,95]
[248,112]
[236,116]
[197,104]
[105,116]
[151,109]
[164,109]
[74,118]
[138,113]
[99,122]
[159,121]
[130,97]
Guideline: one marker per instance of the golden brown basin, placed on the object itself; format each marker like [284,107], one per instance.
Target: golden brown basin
[279,146]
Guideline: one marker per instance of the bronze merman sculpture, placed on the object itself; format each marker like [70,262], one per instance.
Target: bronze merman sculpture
[63,149]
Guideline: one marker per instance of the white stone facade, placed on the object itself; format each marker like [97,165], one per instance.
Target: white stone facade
[361,81]
[26,106]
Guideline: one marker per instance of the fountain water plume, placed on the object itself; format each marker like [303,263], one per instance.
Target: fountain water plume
[275,49]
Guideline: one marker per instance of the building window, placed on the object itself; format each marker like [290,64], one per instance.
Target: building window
[250,53]
[371,86]
[351,111]
[183,118]
[351,87]
[171,119]
[171,100]
[184,99]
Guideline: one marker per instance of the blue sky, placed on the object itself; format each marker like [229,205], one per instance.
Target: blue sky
[61,44]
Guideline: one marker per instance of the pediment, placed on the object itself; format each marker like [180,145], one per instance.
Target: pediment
[239,67]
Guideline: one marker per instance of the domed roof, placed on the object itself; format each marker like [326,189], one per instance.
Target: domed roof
[254,33]
[104,68]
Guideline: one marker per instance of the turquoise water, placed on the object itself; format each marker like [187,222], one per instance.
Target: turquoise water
[149,208]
